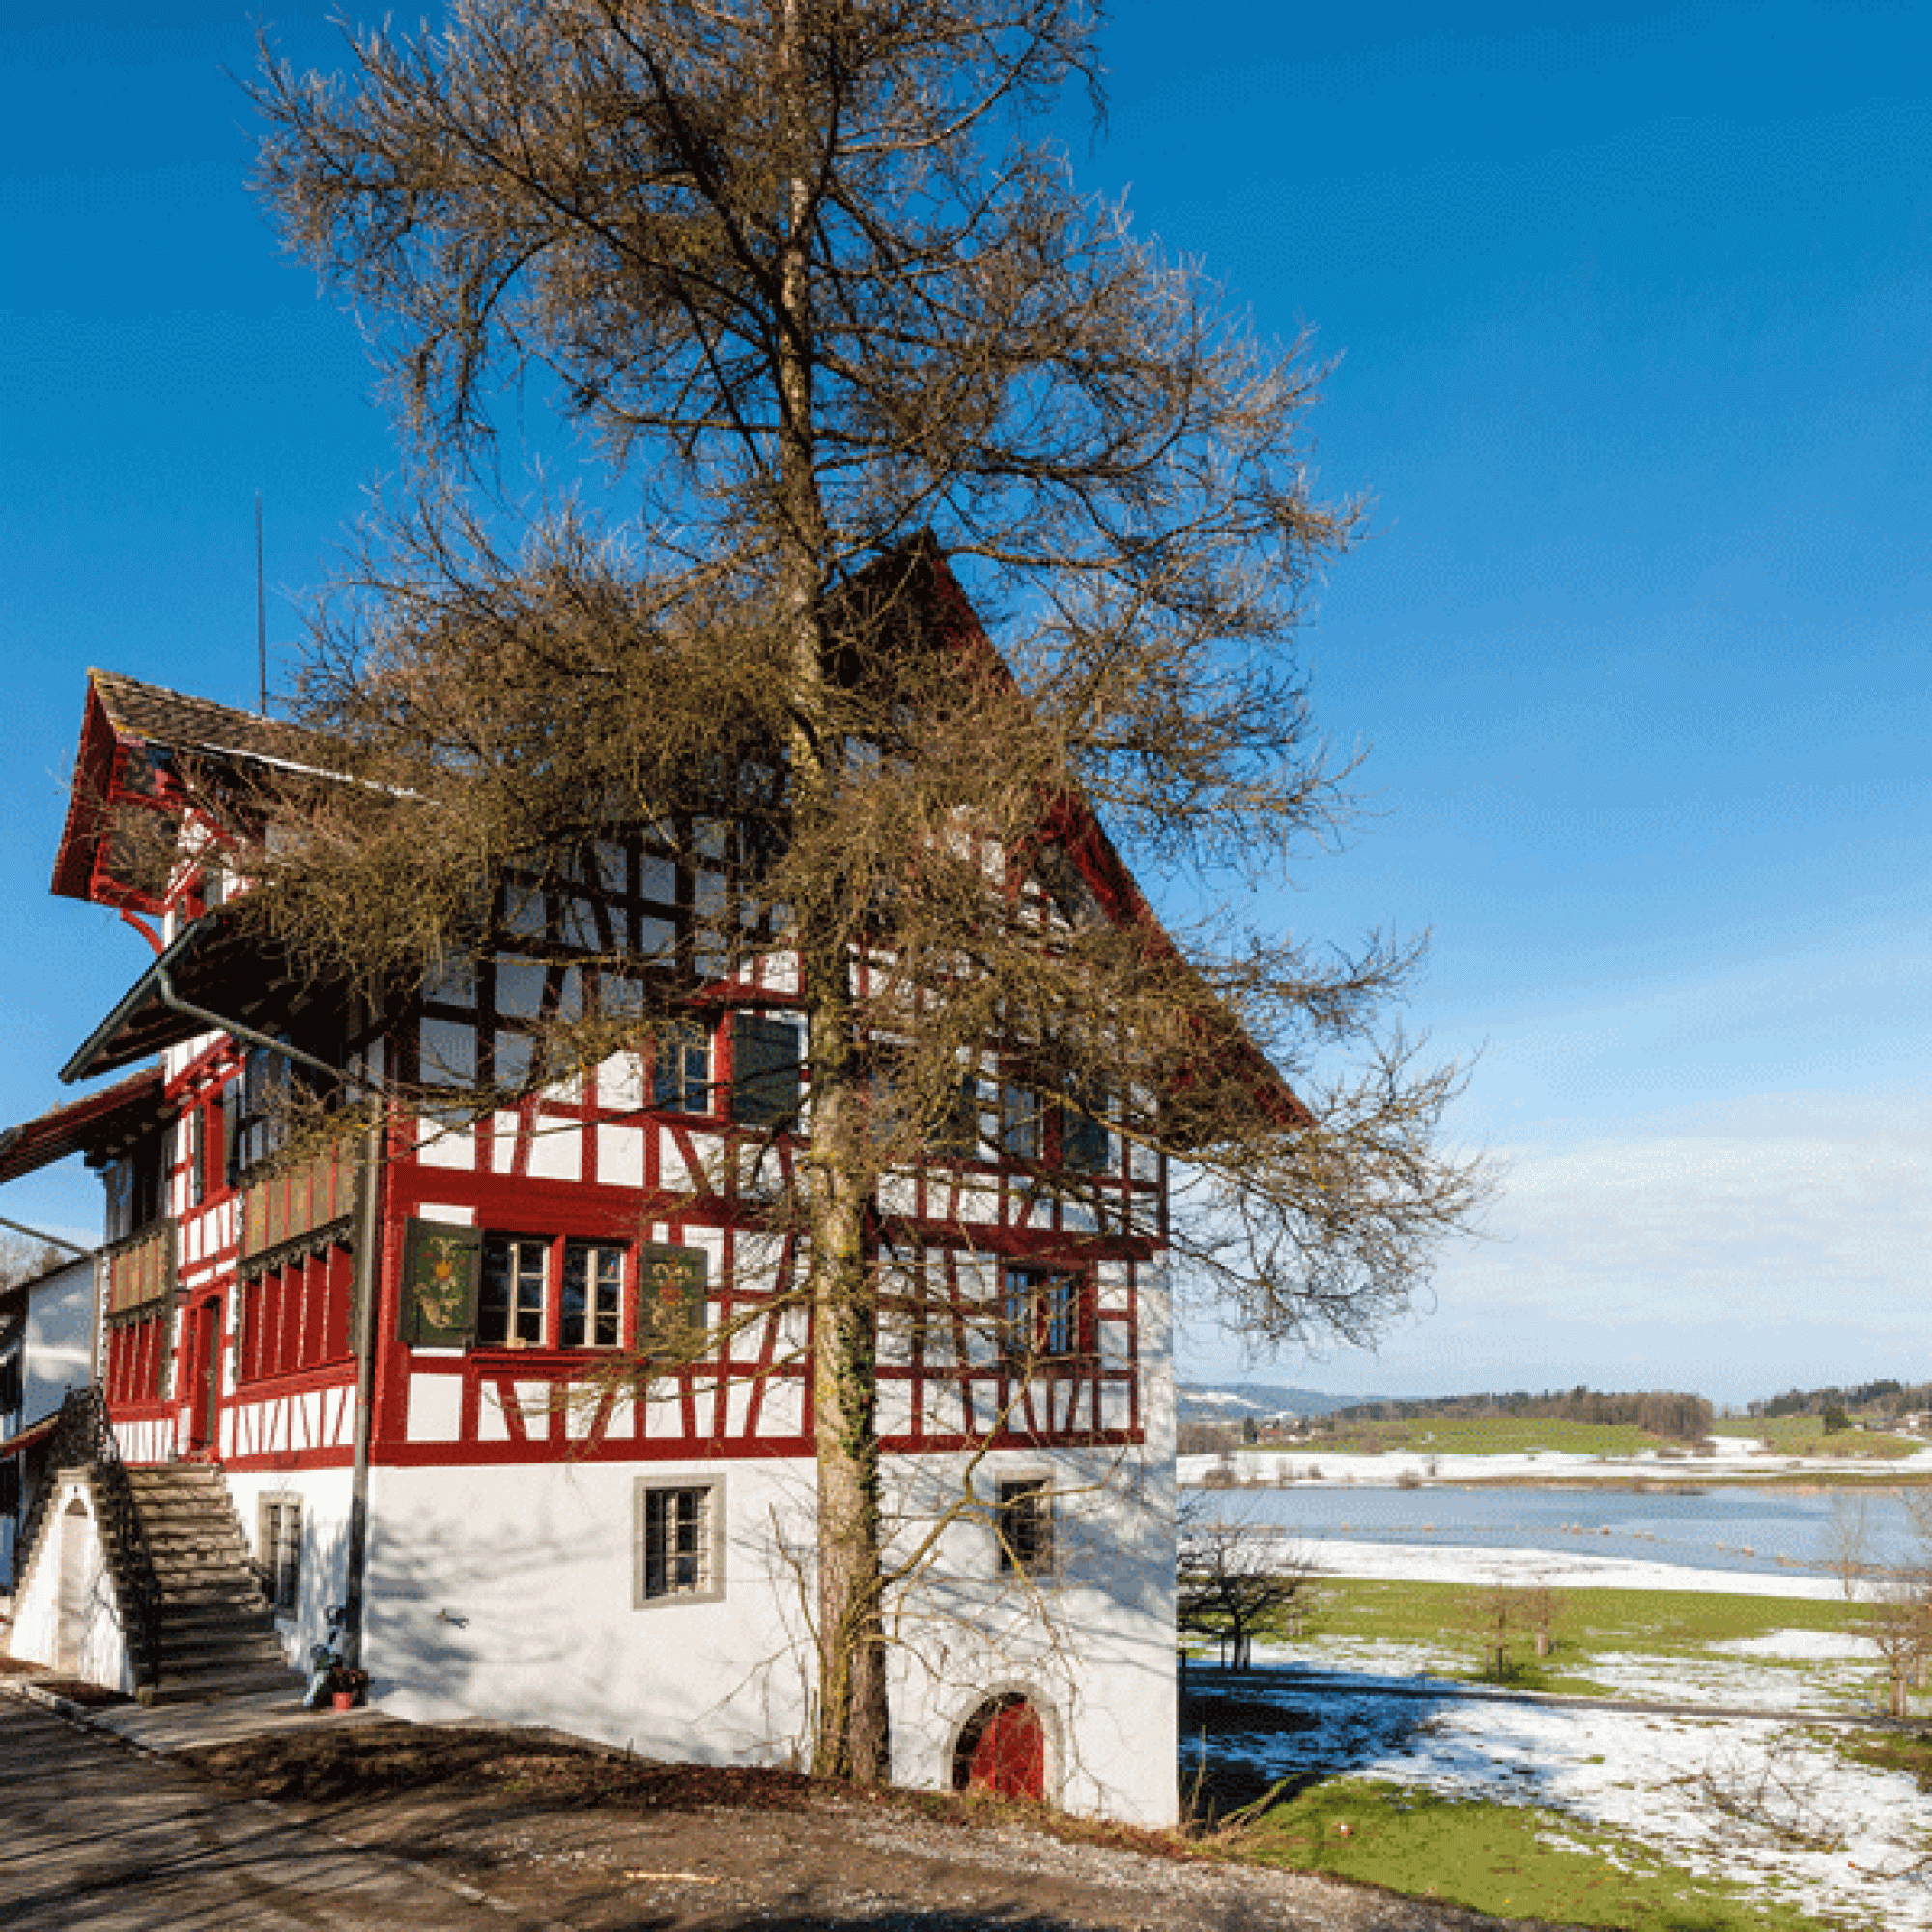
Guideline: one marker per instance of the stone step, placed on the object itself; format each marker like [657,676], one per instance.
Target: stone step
[222,1600]
[259,1653]
[198,1688]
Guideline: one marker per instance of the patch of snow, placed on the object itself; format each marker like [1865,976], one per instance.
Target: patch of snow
[1802,1644]
[1645,1775]
[1734,1456]
[1429,1563]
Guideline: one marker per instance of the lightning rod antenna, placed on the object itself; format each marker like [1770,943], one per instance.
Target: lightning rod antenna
[260,611]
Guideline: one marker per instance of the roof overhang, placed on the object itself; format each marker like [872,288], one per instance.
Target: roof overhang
[93,1125]
[32,1436]
[212,974]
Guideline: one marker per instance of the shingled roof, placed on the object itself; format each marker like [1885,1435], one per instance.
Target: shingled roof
[157,716]
[132,736]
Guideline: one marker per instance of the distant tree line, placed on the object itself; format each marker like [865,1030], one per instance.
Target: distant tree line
[1665,1412]
[1885,1398]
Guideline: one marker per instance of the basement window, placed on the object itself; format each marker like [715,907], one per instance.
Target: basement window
[680,1541]
[281,1547]
[1025,1527]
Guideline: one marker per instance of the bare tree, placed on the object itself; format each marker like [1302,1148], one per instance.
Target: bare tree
[24,1259]
[842,338]
[1238,1577]
[1505,1616]
[1893,1599]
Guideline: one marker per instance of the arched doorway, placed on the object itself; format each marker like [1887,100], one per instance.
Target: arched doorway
[1002,1749]
[70,1597]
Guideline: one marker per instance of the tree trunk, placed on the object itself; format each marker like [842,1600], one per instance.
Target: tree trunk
[853,1737]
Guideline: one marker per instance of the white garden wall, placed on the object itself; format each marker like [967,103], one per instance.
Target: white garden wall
[65,1615]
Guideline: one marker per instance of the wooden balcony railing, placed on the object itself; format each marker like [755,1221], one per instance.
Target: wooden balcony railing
[140,1271]
[300,1202]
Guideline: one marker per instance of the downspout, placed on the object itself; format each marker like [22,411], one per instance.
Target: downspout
[356,1555]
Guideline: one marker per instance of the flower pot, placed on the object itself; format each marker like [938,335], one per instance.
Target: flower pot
[345,1700]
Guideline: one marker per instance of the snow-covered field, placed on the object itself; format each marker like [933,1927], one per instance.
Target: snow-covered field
[1730,1456]
[1830,1837]
[1428,1563]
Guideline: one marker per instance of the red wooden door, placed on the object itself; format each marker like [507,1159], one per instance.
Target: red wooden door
[205,1388]
[1010,1755]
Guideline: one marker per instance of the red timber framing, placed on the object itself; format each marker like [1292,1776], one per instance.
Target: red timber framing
[523,1256]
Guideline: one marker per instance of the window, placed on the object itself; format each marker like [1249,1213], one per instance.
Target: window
[680,1541]
[9,1379]
[255,1108]
[593,1295]
[546,1294]
[1025,1525]
[189,1150]
[280,1547]
[1085,1144]
[681,1070]
[510,1302]
[1019,1121]
[135,1188]
[10,1486]
[1042,1315]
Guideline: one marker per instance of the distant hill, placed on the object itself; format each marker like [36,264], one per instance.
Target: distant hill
[1234,1402]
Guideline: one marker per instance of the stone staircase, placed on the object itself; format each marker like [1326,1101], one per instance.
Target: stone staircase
[215,1629]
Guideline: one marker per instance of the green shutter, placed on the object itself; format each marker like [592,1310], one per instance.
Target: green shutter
[764,1071]
[441,1265]
[670,1299]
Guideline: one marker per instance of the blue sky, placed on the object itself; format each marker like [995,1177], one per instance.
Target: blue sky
[1631,319]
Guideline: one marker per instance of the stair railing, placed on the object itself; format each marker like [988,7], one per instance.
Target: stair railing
[84,1436]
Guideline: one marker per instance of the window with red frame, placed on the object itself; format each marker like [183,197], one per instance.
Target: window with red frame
[1045,1315]
[545,1292]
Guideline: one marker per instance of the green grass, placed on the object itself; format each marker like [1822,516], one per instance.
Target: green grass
[1493,1857]
[1908,1752]
[1665,1623]
[1804,1436]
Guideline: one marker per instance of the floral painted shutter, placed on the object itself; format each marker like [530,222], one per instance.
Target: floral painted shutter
[441,1265]
[671,1285]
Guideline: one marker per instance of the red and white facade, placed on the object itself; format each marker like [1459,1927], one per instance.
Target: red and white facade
[550,1542]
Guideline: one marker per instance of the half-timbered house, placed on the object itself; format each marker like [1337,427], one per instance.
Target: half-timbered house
[521,1534]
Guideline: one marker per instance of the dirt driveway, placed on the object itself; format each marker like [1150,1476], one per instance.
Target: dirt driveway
[567,1836]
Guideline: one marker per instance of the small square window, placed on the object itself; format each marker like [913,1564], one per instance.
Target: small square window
[1025,1527]
[680,1541]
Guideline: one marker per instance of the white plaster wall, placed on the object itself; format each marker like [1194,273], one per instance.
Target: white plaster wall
[509,1594]
[59,1338]
[36,1632]
[325,1501]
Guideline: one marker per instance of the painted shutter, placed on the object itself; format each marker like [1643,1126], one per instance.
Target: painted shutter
[441,1265]
[670,1299]
[1083,1139]
[764,1071]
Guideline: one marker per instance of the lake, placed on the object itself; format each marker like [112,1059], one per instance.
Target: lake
[1724,1528]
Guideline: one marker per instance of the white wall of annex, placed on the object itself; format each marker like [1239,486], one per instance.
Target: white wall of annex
[59,1338]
